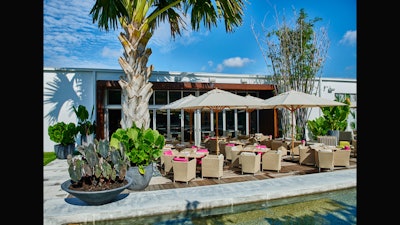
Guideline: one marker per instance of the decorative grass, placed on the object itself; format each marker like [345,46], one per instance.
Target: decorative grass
[48,157]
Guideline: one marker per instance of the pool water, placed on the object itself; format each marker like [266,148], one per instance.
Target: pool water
[334,207]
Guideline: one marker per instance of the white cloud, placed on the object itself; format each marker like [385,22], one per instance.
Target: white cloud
[349,38]
[219,68]
[163,40]
[71,39]
[111,53]
[236,62]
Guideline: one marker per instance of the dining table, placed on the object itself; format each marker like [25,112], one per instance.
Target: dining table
[192,154]
[255,148]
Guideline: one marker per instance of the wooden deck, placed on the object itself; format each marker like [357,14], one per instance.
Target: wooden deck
[234,175]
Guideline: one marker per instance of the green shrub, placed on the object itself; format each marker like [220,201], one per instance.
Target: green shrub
[62,133]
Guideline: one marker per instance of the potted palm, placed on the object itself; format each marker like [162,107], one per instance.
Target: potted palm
[142,147]
[63,134]
[97,173]
[86,126]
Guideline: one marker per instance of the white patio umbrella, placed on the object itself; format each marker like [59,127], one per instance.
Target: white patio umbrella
[217,100]
[293,100]
[178,105]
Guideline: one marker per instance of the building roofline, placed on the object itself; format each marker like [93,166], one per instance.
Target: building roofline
[184,74]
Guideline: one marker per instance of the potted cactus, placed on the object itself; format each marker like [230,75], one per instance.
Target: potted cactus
[63,134]
[97,173]
[142,147]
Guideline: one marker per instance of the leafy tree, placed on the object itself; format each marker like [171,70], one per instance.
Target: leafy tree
[139,19]
[297,53]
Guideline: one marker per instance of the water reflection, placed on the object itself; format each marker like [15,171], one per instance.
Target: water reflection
[335,207]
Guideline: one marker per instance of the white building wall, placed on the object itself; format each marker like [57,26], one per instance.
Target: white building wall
[63,88]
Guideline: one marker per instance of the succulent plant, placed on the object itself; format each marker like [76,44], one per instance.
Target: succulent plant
[97,164]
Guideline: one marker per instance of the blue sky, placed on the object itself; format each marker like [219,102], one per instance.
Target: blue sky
[71,39]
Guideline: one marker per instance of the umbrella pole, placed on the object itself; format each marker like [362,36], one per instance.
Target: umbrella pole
[249,112]
[216,120]
[190,124]
[291,149]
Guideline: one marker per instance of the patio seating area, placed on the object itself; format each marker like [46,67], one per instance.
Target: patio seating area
[273,164]
[234,175]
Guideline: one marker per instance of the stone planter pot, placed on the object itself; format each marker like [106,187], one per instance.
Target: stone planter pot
[140,182]
[334,133]
[63,150]
[96,197]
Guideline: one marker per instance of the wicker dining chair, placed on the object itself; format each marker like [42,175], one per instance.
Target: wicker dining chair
[184,171]
[250,162]
[212,166]
[271,160]
[325,160]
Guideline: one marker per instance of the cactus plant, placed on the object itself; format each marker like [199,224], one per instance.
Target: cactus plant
[98,166]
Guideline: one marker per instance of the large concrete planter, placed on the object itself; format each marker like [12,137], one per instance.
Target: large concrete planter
[140,181]
[62,151]
[334,133]
[96,197]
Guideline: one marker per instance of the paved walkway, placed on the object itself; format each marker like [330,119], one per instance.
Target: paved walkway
[58,209]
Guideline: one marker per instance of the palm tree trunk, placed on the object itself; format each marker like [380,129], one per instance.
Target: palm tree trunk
[135,85]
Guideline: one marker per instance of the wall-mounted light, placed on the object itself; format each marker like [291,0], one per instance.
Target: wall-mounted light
[330,89]
[211,81]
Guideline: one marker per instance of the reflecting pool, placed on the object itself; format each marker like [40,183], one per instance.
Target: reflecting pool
[334,207]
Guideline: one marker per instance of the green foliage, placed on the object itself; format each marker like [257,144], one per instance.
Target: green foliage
[353,124]
[85,125]
[333,118]
[97,163]
[299,133]
[336,116]
[142,146]
[62,133]
[297,54]
[318,127]
[48,157]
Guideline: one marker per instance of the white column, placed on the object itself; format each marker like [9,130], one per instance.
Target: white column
[247,123]
[197,127]
[182,125]
[168,123]
[211,120]
[224,122]
[236,122]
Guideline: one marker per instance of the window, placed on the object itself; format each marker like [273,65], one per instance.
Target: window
[114,97]
[160,97]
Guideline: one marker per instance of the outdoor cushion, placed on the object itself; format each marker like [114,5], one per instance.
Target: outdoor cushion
[168,152]
[343,143]
[325,150]
[180,159]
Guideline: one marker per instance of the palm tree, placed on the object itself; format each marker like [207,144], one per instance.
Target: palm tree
[139,19]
